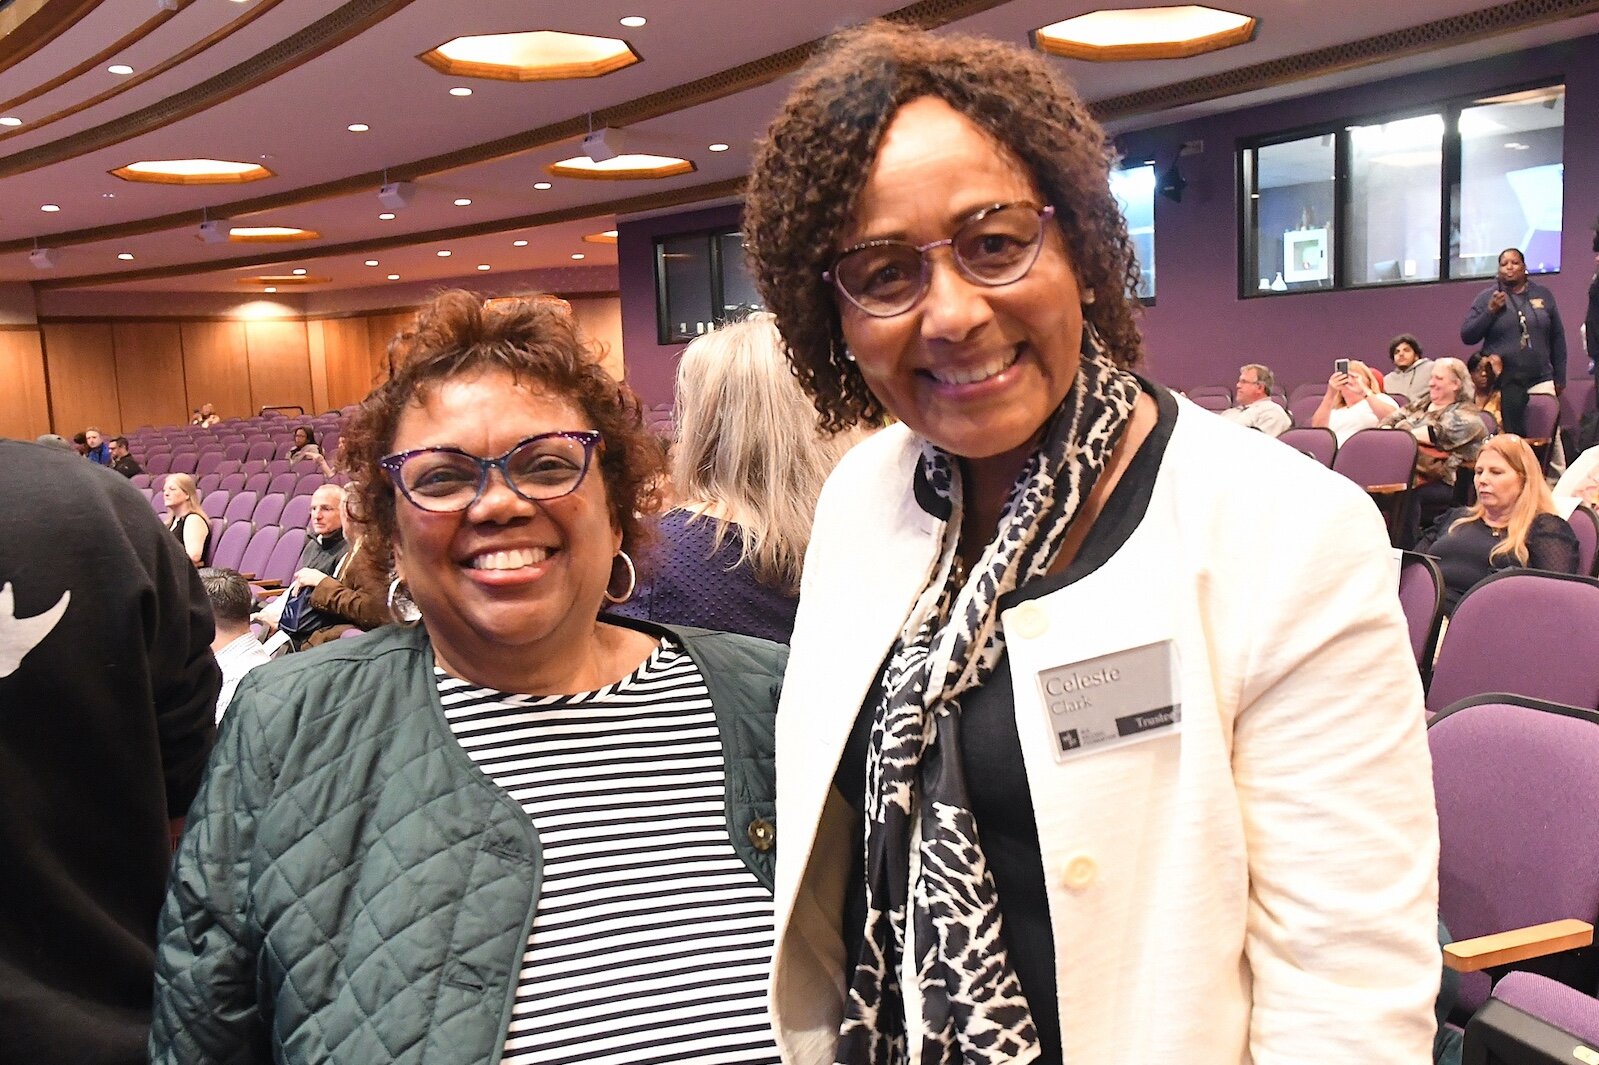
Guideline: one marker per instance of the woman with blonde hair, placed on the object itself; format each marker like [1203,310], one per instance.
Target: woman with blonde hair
[747,467]
[1513,523]
[185,517]
[1353,401]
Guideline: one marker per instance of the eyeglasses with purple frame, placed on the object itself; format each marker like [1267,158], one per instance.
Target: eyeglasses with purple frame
[589,440]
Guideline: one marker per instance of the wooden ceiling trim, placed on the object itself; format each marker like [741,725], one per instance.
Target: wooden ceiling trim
[1380,48]
[651,201]
[330,31]
[928,14]
[260,8]
[28,26]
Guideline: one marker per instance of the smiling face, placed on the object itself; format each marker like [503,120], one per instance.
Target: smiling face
[975,369]
[505,575]
[1498,484]
[1512,268]
[1442,386]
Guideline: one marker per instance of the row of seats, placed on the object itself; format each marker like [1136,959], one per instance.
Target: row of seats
[273,508]
[269,553]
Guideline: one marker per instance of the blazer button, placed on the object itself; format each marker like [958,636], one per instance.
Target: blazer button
[1029,621]
[1080,871]
[762,834]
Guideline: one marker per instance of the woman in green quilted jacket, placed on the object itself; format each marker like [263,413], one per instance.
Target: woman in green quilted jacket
[510,827]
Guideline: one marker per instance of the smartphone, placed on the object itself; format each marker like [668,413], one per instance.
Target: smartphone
[1341,366]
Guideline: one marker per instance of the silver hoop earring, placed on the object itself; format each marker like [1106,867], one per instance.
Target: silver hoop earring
[632,581]
[1088,296]
[401,609]
[849,356]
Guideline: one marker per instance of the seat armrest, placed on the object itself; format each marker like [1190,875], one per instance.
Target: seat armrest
[1518,944]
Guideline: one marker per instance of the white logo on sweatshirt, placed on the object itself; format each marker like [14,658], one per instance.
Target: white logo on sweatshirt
[18,636]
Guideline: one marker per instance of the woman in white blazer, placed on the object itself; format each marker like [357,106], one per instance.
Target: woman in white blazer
[1099,741]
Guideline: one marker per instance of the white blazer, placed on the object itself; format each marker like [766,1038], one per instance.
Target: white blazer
[1261,886]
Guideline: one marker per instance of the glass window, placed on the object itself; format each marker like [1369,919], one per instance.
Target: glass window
[1134,189]
[1511,181]
[739,295]
[683,287]
[1292,213]
[1395,202]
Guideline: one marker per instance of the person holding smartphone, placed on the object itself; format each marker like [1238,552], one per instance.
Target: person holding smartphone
[1517,320]
[1354,400]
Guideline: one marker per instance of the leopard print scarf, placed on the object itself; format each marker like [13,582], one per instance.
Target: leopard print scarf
[971,1005]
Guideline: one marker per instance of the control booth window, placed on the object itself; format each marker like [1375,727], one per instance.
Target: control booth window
[1429,195]
[1134,189]
[701,280]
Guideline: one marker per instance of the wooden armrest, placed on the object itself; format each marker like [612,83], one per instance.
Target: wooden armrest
[270,585]
[1518,944]
[1385,489]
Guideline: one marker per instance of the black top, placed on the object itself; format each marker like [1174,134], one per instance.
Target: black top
[991,752]
[1463,553]
[128,466]
[107,700]
[1591,323]
[177,530]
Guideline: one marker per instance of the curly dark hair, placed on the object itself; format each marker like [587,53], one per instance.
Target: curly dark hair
[458,335]
[812,164]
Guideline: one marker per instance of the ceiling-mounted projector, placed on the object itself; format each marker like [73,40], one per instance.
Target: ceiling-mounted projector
[603,145]
[397,195]
[42,258]
[215,231]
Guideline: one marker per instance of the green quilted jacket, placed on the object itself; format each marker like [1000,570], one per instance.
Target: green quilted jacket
[352,889]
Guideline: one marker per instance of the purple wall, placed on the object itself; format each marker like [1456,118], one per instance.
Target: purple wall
[1200,332]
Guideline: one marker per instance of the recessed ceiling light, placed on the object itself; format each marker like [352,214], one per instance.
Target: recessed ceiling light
[482,266]
[386,216]
[463,202]
[108,195]
[270,234]
[621,167]
[534,55]
[192,171]
[633,22]
[10,120]
[371,262]
[718,147]
[49,208]
[577,255]
[299,270]
[358,127]
[444,254]
[1145,33]
[394,277]
[518,243]
[119,68]
[125,256]
[542,186]
[269,288]
[460,90]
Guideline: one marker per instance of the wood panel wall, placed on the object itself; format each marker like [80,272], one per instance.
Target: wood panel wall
[118,375]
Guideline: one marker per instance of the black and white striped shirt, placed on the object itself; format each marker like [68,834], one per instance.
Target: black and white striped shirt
[652,939]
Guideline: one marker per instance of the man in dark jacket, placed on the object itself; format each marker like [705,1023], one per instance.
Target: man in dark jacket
[107,689]
[122,459]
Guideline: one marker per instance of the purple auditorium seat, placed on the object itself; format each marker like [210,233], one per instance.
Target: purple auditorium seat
[1585,523]
[1212,402]
[1490,424]
[216,502]
[277,466]
[1211,390]
[1309,388]
[1383,462]
[157,482]
[1518,824]
[228,549]
[140,480]
[1524,631]
[260,451]
[1543,419]
[157,462]
[207,463]
[1421,595]
[259,550]
[1534,1019]
[155,502]
[1319,444]
[307,483]
[257,482]
[268,511]
[208,484]
[184,461]
[285,557]
[283,483]
[296,513]
[232,482]
[217,527]
[284,446]
[227,466]
[1301,410]
[236,452]
[240,507]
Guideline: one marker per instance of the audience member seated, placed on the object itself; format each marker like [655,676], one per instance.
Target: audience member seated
[747,467]
[96,450]
[353,596]
[185,517]
[306,449]
[326,545]
[1448,432]
[1411,372]
[1485,370]
[236,648]
[1581,479]
[122,459]
[1513,523]
[205,417]
[1353,401]
[1256,409]
[80,443]
[507,799]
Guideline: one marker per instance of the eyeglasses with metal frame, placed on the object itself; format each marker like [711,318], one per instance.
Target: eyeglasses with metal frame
[995,246]
[444,480]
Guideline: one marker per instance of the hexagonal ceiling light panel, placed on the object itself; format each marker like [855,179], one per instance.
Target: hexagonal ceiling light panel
[192,172]
[533,55]
[1145,33]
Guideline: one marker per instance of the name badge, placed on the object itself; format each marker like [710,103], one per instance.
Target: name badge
[1103,703]
[1537,301]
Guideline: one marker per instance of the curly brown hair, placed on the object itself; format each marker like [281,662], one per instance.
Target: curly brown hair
[813,162]
[536,342]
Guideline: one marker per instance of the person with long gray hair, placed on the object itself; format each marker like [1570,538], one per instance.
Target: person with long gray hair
[748,465]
